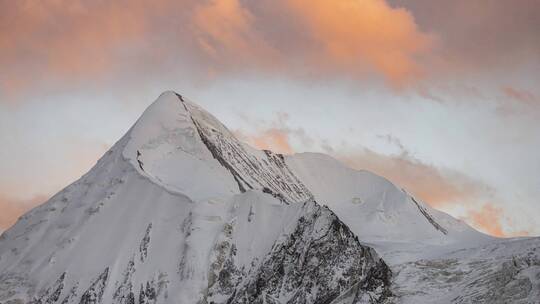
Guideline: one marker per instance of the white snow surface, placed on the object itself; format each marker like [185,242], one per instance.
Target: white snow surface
[161,199]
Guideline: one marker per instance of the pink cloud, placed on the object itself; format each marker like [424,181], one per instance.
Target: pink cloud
[56,43]
[523,96]
[11,208]
[439,187]
[492,220]
[276,140]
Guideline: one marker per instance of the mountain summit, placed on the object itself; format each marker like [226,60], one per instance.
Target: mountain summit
[180,211]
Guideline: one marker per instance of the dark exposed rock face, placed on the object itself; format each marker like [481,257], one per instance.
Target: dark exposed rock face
[143,247]
[319,261]
[269,173]
[72,294]
[94,293]
[148,293]
[224,275]
[429,217]
[124,292]
[52,294]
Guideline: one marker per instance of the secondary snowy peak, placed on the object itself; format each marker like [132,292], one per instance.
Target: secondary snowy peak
[373,207]
[181,146]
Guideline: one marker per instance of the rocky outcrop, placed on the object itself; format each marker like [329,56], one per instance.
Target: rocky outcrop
[95,292]
[267,172]
[143,247]
[320,260]
[52,294]
[124,292]
[429,218]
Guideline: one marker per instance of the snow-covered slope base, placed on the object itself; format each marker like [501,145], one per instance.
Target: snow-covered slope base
[179,211]
[507,271]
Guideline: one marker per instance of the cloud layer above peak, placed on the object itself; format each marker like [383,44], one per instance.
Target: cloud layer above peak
[46,43]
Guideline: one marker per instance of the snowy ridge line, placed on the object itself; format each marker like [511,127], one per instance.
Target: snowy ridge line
[213,150]
[145,175]
[429,217]
[268,172]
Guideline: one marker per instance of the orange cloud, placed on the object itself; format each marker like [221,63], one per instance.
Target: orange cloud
[520,95]
[43,40]
[352,35]
[226,30]
[487,37]
[224,23]
[518,101]
[436,186]
[439,188]
[433,185]
[11,209]
[57,43]
[492,220]
[488,219]
[342,37]
[276,140]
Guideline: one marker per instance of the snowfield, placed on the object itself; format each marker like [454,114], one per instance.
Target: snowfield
[180,211]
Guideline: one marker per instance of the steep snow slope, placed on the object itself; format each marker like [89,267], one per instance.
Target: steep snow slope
[503,271]
[183,147]
[374,208]
[179,211]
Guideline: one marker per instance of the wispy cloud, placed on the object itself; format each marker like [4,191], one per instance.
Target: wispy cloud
[440,187]
[274,135]
[492,220]
[41,41]
[51,42]
[436,186]
[274,139]
[480,36]
[523,96]
[12,208]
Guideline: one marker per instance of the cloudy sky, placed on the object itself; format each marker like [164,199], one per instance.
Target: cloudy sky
[440,97]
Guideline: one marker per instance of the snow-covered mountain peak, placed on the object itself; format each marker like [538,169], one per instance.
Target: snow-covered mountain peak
[165,121]
[375,208]
[182,147]
[164,145]
[180,211]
